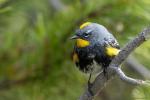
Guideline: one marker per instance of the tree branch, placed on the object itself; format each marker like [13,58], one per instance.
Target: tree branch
[57,4]
[114,68]
[127,79]
[133,64]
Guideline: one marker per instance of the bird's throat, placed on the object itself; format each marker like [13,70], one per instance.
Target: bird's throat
[82,43]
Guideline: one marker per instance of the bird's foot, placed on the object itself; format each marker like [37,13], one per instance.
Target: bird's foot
[89,88]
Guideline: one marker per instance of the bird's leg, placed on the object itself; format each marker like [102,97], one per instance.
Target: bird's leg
[90,85]
[105,72]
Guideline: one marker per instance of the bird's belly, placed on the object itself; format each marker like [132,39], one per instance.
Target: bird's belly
[90,67]
[95,67]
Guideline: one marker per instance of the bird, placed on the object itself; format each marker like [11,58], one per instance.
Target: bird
[94,48]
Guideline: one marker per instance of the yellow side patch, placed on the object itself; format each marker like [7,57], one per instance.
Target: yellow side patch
[75,58]
[84,25]
[82,43]
[110,51]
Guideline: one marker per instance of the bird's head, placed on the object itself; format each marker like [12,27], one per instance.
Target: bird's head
[88,34]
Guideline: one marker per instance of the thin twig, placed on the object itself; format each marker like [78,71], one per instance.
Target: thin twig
[127,79]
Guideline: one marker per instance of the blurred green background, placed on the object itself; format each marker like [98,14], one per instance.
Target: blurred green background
[35,62]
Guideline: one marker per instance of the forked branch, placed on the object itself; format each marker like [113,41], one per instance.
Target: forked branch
[114,67]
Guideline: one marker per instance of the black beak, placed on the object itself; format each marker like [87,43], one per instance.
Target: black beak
[74,37]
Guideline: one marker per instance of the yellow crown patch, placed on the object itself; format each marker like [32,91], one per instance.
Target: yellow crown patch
[84,25]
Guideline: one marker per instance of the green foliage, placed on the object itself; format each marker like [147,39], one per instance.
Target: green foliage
[141,93]
[34,40]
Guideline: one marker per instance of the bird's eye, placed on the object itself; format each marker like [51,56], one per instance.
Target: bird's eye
[87,34]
